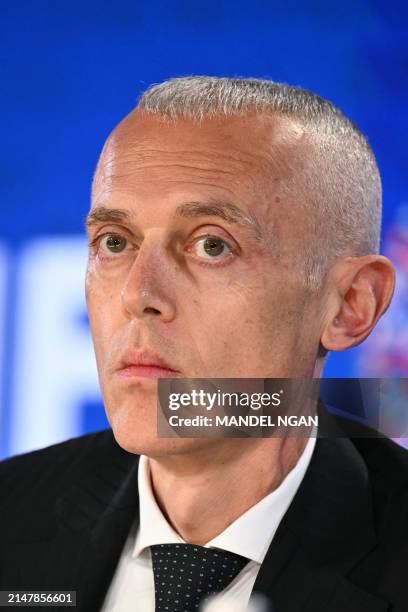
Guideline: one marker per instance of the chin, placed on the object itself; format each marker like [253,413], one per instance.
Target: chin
[143,443]
[136,432]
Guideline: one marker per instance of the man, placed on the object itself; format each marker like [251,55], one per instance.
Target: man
[233,233]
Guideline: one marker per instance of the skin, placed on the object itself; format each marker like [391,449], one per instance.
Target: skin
[245,313]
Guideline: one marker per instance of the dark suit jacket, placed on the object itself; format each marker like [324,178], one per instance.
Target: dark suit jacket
[65,512]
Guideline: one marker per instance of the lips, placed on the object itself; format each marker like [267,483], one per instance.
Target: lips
[145,364]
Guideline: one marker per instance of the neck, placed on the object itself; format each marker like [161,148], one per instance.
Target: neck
[201,493]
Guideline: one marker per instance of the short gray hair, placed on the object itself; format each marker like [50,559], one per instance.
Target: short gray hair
[341,184]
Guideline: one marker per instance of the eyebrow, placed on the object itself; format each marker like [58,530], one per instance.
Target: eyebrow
[189,210]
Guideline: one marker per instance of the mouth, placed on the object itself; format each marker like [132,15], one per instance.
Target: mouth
[143,364]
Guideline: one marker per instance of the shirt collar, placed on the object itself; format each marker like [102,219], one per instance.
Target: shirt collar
[249,535]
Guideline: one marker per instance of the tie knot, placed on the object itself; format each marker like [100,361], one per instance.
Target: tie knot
[185,574]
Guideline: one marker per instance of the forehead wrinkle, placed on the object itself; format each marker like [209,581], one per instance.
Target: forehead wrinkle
[274,164]
[264,141]
[123,166]
[142,169]
[108,186]
[123,151]
[118,178]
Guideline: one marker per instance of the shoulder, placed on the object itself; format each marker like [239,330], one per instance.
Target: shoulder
[58,456]
[386,460]
[40,476]
[387,472]
[387,465]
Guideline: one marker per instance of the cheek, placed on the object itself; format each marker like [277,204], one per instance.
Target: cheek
[102,291]
[103,305]
[254,319]
[228,325]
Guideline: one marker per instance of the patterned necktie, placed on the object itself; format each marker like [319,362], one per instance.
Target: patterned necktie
[185,574]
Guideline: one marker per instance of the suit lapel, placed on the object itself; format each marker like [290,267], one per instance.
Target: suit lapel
[327,529]
[94,519]
[76,544]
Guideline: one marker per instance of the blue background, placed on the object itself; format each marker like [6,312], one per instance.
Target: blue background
[70,72]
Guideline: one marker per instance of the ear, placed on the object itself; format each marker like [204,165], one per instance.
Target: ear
[358,292]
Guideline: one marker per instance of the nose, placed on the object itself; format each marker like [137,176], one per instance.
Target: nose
[148,287]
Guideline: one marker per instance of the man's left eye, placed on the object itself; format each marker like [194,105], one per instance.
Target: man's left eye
[212,247]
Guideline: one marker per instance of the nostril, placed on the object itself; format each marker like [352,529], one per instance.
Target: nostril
[150,310]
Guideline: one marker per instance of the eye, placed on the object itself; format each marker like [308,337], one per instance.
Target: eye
[113,243]
[212,247]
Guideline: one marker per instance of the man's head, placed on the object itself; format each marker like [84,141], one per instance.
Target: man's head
[234,233]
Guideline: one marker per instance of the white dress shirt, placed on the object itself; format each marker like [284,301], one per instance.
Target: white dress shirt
[250,535]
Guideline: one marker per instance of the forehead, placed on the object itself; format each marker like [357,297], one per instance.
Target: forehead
[243,133]
[145,147]
[151,167]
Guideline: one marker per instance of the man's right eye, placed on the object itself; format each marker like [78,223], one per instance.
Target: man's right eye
[113,243]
